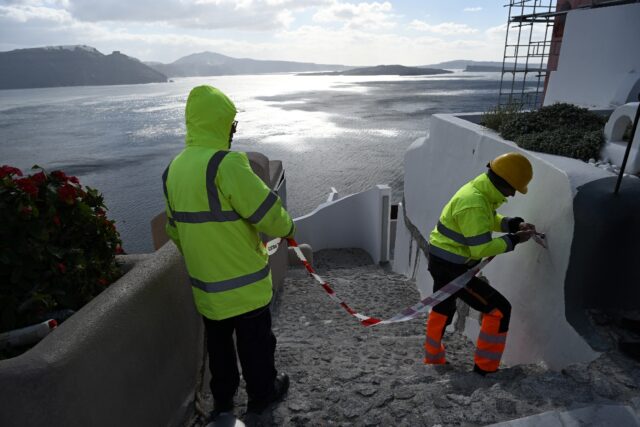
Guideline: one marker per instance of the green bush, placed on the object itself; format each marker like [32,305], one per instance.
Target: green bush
[494,118]
[569,143]
[57,247]
[561,129]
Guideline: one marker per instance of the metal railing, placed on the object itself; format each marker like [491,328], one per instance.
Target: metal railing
[628,150]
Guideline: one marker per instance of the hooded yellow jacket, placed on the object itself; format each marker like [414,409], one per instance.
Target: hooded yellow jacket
[216,207]
[463,233]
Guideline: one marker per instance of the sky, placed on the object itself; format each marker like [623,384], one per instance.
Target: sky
[407,32]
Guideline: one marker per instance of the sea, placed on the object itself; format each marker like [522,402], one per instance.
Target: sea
[345,132]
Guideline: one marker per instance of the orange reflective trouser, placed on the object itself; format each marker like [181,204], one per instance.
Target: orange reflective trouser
[491,341]
[479,295]
[433,347]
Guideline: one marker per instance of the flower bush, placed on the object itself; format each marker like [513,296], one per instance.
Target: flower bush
[57,246]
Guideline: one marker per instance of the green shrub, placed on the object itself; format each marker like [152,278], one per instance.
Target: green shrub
[569,143]
[562,129]
[57,247]
[494,118]
[562,116]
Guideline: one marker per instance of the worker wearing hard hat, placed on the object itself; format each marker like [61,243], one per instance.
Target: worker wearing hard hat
[460,240]
[217,207]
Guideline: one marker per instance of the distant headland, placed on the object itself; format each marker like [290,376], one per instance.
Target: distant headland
[76,65]
[383,70]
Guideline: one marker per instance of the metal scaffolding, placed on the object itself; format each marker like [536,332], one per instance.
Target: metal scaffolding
[526,52]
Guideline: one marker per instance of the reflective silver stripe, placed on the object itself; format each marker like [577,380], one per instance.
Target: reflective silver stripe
[432,342]
[504,224]
[480,239]
[194,217]
[226,285]
[166,193]
[508,241]
[485,354]
[434,357]
[262,210]
[492,339]
[215,213]
[212,191]
[446,255]
[453,235]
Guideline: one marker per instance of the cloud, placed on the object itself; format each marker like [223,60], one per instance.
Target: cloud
[472,9]
[445,28]
[357,47]
[251,15]
[357,16]
[333,31]
[24,13]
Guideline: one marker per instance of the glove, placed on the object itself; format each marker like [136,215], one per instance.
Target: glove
[514,224]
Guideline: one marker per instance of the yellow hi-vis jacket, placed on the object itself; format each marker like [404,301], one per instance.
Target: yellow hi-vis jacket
[216,207]
[463,233]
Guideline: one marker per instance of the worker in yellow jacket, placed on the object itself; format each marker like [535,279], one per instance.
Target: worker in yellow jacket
[216,208]
[462,237]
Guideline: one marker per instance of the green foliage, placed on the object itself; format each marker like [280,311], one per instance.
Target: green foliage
[57,247]
[494,118]
[561,129]
[569,143]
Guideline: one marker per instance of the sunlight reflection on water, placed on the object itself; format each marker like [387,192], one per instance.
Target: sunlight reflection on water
[342,131]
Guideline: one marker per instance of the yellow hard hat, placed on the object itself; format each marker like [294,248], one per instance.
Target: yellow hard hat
[513,168]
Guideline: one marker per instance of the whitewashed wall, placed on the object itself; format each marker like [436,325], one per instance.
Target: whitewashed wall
[614,147]
[531,277]
[356,221]
[599,64]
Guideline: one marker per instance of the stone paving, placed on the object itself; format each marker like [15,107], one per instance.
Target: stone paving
[344,374]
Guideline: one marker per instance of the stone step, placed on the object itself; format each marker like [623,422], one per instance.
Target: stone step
[595,415]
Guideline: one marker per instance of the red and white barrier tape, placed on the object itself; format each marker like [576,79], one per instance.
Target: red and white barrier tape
[408,313]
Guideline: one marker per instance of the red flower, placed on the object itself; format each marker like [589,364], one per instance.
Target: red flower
[28,186]
[59,175]
[100,212]
[74,180]
[39,178]
[26,211]
[119,250]
[103,282]
[67,193]
[62,268]
[56,220]
[8,170]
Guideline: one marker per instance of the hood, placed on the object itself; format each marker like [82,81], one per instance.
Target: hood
[209,115]
[483,184]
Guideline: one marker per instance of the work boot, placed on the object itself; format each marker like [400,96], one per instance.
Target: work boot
[280,387]
[219,407]
[478,370]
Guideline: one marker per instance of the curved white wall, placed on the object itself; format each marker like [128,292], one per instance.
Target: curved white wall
[614,147]
[357,221]
[531,277]
[599,64]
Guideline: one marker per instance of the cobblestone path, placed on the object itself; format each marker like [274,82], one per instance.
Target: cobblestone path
[344,374]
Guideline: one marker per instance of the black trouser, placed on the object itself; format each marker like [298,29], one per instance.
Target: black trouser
[478,294]
[256,347]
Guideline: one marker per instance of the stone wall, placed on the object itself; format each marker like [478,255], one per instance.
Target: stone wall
[131,357]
